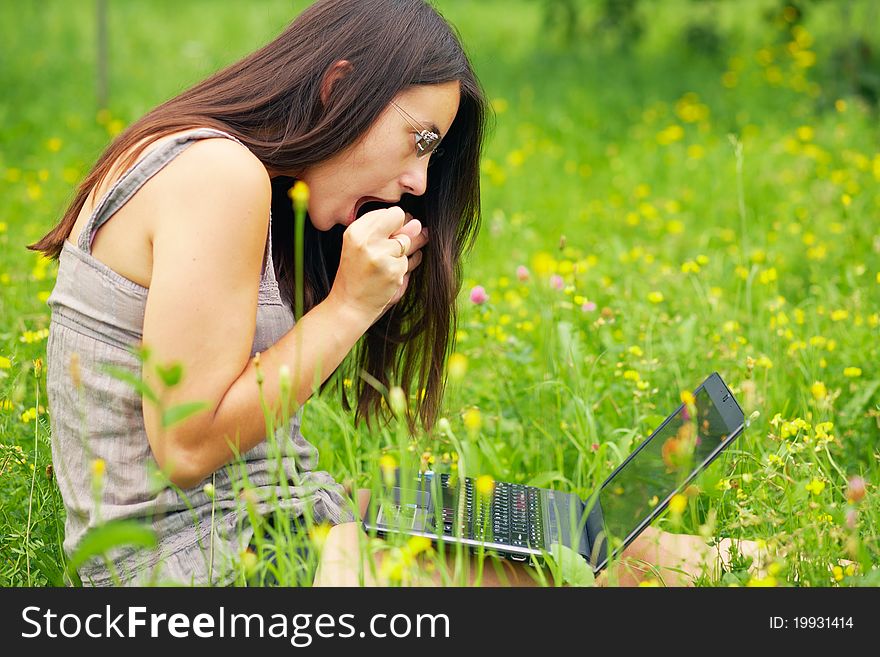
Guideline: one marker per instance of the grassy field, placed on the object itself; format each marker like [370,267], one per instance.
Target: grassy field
[652,213]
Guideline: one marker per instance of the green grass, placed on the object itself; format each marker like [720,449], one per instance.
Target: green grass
[614,170]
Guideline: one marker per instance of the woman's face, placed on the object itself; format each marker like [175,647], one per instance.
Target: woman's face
[383,165]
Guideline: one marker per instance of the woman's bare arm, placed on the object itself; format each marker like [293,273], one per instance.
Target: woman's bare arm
[201,308]
[208,245]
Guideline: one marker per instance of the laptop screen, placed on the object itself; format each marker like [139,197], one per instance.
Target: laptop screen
[648,480]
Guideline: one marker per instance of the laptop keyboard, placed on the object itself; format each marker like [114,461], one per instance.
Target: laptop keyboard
[513,516]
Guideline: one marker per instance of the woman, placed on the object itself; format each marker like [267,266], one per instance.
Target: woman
[181,239]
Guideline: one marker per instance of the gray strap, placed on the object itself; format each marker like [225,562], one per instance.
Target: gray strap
[268,259]
[135,178]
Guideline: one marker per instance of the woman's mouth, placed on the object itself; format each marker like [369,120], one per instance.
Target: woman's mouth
[367,204]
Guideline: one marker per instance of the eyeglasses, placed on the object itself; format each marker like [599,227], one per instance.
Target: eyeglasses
[426,140]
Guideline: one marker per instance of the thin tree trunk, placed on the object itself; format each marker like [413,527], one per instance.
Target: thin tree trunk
[101,89]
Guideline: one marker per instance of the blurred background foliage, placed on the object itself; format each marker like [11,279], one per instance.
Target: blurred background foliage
[685,185]
[852,68]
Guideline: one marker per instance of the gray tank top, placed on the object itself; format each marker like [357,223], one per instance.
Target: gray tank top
[99,315]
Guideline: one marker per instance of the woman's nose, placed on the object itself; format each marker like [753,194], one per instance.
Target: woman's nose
[415,179]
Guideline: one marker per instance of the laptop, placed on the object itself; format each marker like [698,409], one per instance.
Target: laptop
[521,523]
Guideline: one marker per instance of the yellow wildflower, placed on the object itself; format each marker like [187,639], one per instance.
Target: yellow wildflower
[631,375]
[695,152]
[115,126]
[543,263]
[723,484]
[768,581]
[418,544]
[388,464]
[299,193]
[473,420]
[678,504]
[318,534]
[29,337]
[823,428]
[805,133]
[816,486]
[768,276]
[485,485]
[30,414]
[670,134]
[674,227]
[393,565]
[248,561]
[793,428]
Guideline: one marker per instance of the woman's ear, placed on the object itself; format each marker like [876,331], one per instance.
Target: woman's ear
[336,72]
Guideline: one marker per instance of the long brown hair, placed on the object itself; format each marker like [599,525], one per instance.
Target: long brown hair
[271,101]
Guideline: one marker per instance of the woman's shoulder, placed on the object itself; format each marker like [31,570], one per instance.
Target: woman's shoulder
[218,162]
[209,212]
[217,182]
[213,161]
